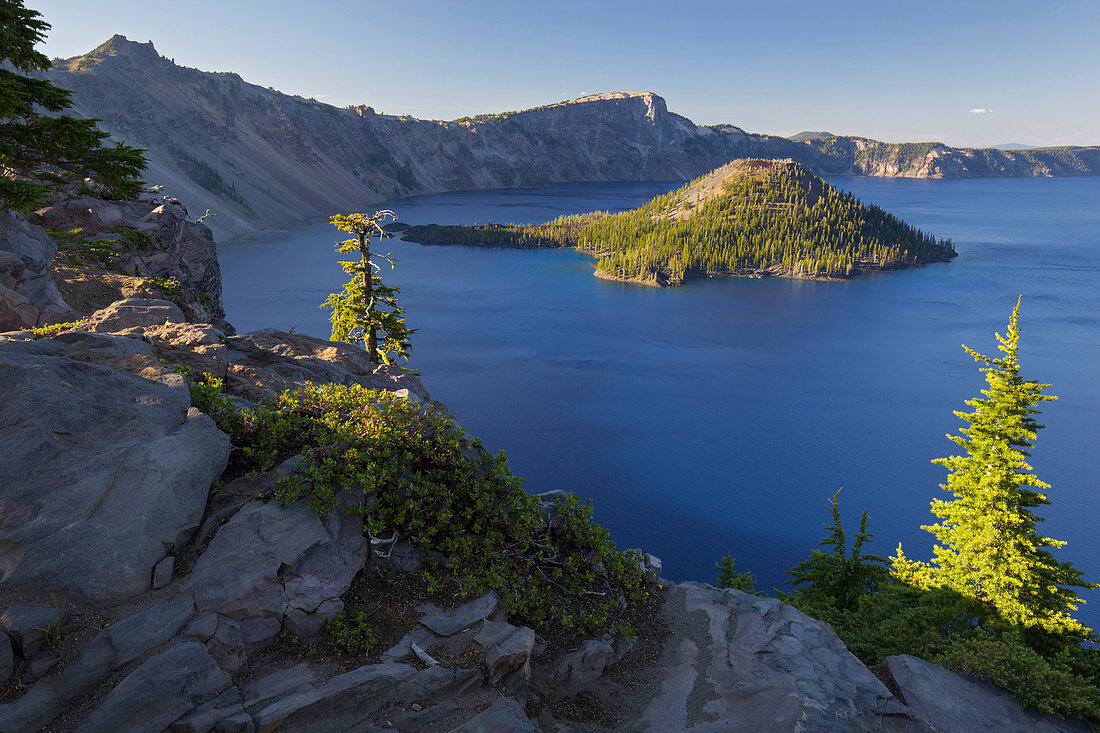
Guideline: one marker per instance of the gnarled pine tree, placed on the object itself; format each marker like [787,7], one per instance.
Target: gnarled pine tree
[990,548]
[366,312]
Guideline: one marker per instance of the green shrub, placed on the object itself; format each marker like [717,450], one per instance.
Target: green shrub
[206,395]
[169,285]
[352,632]
[1044,684]
[423,478]
[75,249]
[54,329]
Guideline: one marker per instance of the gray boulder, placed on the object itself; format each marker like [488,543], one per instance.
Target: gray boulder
[28,294]
[446,623]
[503,716]
[223,639]
[739,662]
[41,291]
[952,703]
[511,654]
[164,689]
[106,472]
[122,643]
[16,312]
[345,701]
[133,313]
[196,345]
[401,557]
[581,668]
[131,353]
[269,561]
[30,243]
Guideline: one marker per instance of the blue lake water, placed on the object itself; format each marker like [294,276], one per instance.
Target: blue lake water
[721,416]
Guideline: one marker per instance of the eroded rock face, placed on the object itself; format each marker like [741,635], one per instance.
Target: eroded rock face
[312,159]
[945,701]
[262,364]
[167,245]
[162,690]
[133,313]
[30,243]
[120,644]
[758,664]
[271,563]
[106,471]
[28,295]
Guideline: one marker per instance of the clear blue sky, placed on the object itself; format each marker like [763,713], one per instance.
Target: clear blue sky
[890,69]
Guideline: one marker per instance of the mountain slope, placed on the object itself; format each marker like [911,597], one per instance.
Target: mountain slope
[259,158]
[749,218]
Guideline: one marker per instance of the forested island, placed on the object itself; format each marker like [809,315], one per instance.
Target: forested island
[749,218]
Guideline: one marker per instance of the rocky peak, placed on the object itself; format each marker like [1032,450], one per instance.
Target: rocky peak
[714,183]
[654,106]
[116,48]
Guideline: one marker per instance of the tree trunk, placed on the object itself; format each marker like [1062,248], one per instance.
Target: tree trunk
[371,336]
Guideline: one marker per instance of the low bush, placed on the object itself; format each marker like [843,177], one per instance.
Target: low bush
[352,632]
[1045,684]
[423,478]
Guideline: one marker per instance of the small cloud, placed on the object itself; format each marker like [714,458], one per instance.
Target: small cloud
[980,111]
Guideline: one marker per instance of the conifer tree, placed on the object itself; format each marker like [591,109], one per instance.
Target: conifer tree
[989,547]
[40,150]
[838,578]
[366,312]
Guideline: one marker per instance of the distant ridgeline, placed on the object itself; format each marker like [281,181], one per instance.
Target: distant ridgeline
[749,218]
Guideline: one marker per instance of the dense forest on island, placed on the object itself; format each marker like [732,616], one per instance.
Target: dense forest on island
[750,218]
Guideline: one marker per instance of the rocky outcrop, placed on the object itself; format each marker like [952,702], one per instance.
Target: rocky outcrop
[28,294]
[946,702]
[151,237]
[262,364]
[271,567]
[750,664]
[161,691]
[89,512]
[135,598]
[260,158]
[133,313]
[120,644]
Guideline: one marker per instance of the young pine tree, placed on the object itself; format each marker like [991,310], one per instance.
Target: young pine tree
[366,312]
[989,547]
[40,153]
[837,578]
[730,578]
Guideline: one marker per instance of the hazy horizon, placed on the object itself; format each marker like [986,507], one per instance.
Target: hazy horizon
[938,71]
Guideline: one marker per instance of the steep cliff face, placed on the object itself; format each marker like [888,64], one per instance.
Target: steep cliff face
[260,158]
[863,156]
